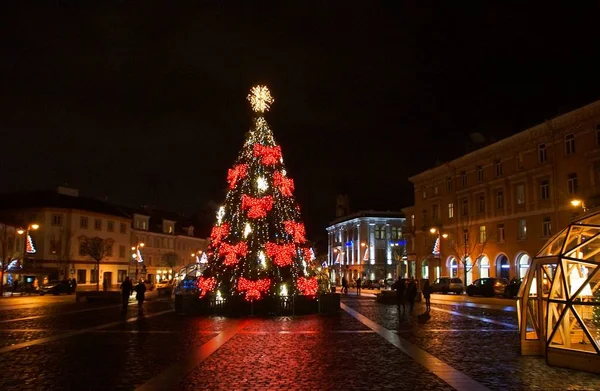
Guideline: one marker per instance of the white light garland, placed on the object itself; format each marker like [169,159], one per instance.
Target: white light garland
[220,214]
[261,184]
[247,230]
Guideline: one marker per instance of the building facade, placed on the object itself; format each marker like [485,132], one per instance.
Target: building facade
[366,244]
[161,246]
[487,213]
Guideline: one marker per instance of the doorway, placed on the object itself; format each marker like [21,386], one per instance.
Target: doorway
[107,280]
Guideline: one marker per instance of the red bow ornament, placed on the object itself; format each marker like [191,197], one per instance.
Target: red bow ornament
[253,289]
[232,252]
[282,254]
[269,155]
[257,207]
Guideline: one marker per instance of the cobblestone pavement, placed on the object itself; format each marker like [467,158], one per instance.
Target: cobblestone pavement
[96,347]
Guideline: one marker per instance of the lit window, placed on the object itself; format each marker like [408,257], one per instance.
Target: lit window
[424,193]
[451,210]
[569,144]
[379,232]
[449,183]
[482,234]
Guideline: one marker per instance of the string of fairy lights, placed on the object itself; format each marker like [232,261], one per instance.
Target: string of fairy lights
[258,245]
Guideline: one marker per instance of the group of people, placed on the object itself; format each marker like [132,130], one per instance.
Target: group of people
[406,290]
[127,289]
[345,285]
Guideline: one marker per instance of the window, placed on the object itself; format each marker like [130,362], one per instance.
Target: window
[500,229]
[542,156]
[83,222]
[82,249]
[544,190]
[481,208]
[93,276]
[81,276]
[396,233]
[499,199]
[519,160]
[435,213]
[449,183]
[465,237]
[55,246]
[547,227]
[424,193]
[451,240]
[463,178]
[498,166]
[57,220]
[465,207]
[451,210]
[480,173]
[569,144]
[520,194]
[123,228]
[109,251]
[98,224]
[482,234]
[572,183]
[121,274]
[522,229]
[110,226]
[380,255]
[379,232]
[122,251]
[412,220]
[436,190]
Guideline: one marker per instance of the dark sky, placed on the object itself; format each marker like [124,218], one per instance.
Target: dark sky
[144,101]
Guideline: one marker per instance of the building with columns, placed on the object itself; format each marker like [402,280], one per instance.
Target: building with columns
[491,210]
[368,244]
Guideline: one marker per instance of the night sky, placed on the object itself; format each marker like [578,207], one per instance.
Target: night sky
[144,102]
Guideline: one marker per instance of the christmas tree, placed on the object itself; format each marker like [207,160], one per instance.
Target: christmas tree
[258,246]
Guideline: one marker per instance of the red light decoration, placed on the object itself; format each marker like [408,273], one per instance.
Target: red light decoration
[307,254]
[219,233]
[269,155]
[285,185]
[236,173]
[206,285]
[232,252]
[282,254]
[308,286]
[297,230]
[257,207]
[253,289]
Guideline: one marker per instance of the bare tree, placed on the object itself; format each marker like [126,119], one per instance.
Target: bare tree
[170,259]
[96,248]
[468,244]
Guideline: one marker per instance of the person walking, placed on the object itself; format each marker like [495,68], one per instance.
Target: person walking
[358,284]
[400,287]
[344,285]
[411,293]
[15,286]
[126,288]
[140,294]
[74,284]
[427,295]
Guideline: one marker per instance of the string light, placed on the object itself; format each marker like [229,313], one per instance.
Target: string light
[247,230]
[220,214]
[260,98]
[261,184]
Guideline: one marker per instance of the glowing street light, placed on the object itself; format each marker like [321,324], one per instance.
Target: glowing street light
[578,202]
[25,232]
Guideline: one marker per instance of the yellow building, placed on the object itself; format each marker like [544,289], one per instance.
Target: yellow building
[493,208]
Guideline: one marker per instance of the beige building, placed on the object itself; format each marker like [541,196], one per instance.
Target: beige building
[62,219]
[161,245]
[492,209]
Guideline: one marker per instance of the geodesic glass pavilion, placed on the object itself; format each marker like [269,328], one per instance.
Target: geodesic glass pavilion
[559,299]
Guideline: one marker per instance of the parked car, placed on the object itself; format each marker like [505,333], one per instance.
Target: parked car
[487,286]
[164,284]
[57,287]
[512,289]
[371,284]
[448,284]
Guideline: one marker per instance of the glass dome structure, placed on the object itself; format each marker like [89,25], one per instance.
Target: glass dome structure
[559,299]
[184,282]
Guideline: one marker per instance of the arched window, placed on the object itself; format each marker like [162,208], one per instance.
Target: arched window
[425,269]
[469,267]
[484,267]
[453,267]
[523,262]
[502,266]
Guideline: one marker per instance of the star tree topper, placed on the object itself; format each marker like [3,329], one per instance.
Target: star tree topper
[260,99]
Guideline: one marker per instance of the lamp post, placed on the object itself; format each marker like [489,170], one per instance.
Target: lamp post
[135,250]
[25,233]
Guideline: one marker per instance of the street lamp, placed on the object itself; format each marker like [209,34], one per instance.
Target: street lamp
[578,202]
[25,232]
[136,251]
[439,235]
